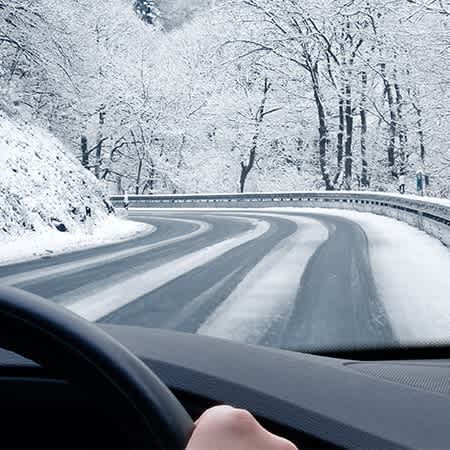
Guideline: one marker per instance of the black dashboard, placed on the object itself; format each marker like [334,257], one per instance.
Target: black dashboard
[317,402]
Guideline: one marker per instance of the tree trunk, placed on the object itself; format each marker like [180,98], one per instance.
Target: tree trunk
[340,137]
[421,135]
[402,136]
[98,150]
[323,129]
[363,116]
[84,152]
[393,121]
[151,176]
[246,168]
[138,177]
[348,164]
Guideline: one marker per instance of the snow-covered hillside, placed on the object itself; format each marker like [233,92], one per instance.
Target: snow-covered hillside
[47,200]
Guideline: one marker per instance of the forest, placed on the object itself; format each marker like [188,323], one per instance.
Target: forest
[236,95]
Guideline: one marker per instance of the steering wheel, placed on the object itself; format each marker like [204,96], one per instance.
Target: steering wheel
[84,354]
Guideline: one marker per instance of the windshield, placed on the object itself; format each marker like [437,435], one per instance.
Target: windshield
[270,172]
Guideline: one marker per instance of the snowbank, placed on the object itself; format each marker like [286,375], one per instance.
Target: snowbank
[41,187]
[48,202]
[33,245]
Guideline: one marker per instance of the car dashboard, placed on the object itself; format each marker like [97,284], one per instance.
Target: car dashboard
[316,401]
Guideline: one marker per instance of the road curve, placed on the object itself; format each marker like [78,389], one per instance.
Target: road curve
[292,280]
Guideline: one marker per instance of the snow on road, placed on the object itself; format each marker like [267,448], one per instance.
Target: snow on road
[86,263]
[100,304]
[410,268]
[34,244]
[267,294]
[412,275]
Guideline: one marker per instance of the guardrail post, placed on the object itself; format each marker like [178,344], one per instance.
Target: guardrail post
[420,220]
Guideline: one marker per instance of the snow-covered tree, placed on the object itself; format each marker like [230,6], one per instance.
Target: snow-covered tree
[148,10]
[231,95]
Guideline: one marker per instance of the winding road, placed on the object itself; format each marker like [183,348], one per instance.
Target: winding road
[291,280]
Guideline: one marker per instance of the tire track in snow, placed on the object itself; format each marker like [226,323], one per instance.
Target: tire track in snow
[187,302]
[338,306]
[267,294]
[100,304]
[68,289]
[48,273]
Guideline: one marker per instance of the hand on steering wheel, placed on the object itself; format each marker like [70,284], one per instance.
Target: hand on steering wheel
[227,428]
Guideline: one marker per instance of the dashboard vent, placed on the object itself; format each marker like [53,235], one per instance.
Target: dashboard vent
[425,376]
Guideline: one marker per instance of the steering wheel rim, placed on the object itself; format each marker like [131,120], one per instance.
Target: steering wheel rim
[57,338]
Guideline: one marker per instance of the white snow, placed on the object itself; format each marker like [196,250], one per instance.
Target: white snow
[41,186]
[86,263]
[412,275]
[101,303]
[32,245]
[268,293]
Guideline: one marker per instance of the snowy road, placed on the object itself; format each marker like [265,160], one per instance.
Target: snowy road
[289,279]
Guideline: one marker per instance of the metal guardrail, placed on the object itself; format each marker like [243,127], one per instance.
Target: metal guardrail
[428,215]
